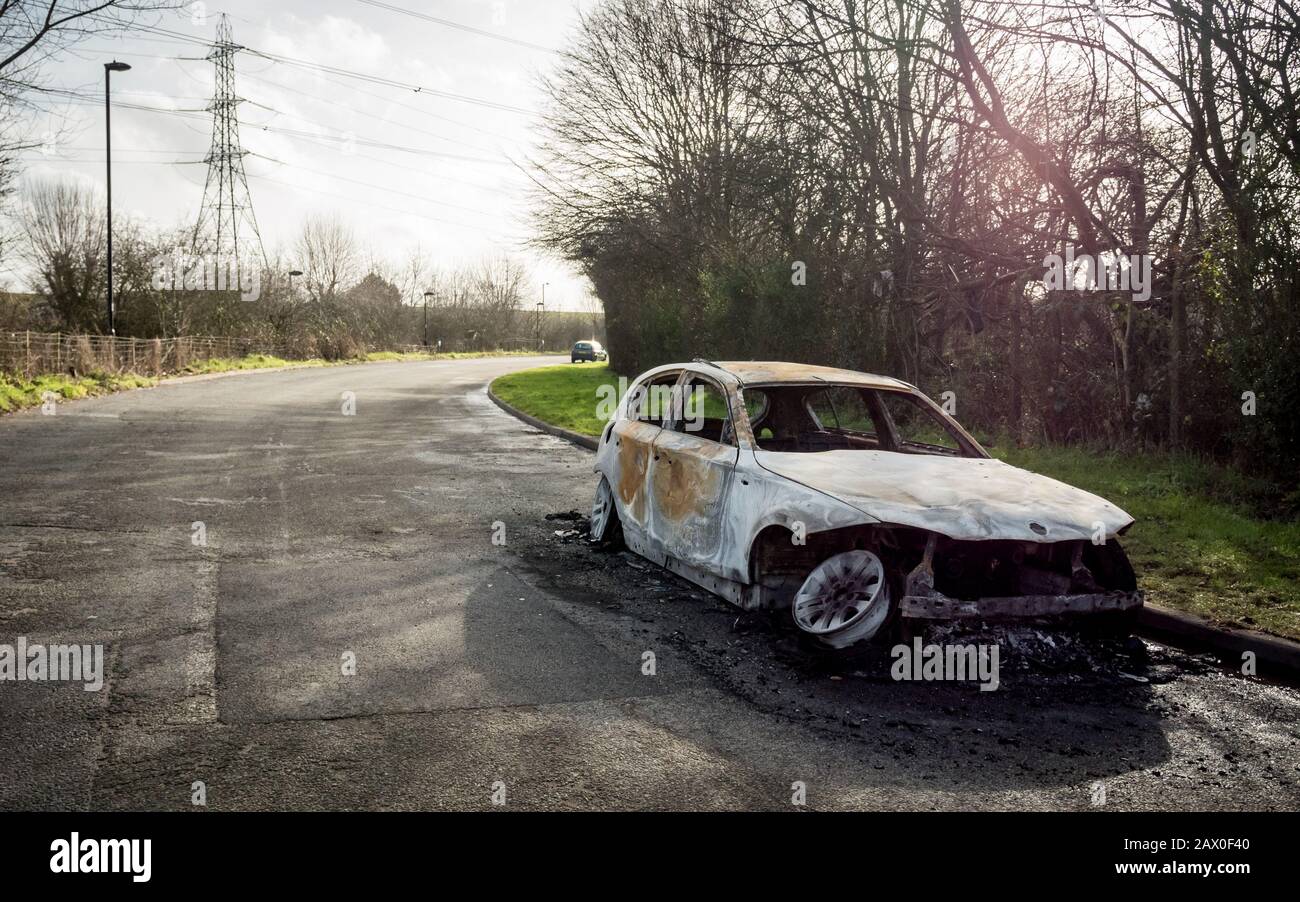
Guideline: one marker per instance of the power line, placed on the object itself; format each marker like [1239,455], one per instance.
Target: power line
[225,47]
[126,149]
[155,29]
[349,73]
[365,203]
[89,100]
[363,156]
[203,158]
[392,83]
[347,139]
[92,100]
[334,103]
[58,159]
[462,27]
[344,178]
[265,178]
[331,101]
[426,173]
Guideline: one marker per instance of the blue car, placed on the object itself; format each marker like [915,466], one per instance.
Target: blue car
[587,350]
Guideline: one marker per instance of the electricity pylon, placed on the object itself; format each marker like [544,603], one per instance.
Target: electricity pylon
[226,223]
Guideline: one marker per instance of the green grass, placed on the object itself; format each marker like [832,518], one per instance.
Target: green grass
[1208,539]
[266,361]
[1199,543]
[395,355]
[17,393]
[249,362]
[565,396]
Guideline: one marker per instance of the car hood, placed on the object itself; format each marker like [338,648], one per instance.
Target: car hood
[959,497]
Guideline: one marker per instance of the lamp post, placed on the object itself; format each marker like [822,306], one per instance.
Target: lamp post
[109,68]
[292,273]
[537,324]
[427,295]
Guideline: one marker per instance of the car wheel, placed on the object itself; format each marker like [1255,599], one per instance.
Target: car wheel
[846,599]
[605,527]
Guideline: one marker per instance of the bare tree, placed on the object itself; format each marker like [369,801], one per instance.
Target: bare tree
[63,223]
[497,295]
[414,276]
[33,32]
[329,257]
[916,162]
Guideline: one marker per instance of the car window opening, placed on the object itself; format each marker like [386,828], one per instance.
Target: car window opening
[810,419]
[702,412]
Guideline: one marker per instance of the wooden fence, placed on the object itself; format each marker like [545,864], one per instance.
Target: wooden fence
[36,353]
[30,354]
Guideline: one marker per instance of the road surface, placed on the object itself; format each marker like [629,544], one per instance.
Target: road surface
[515,669]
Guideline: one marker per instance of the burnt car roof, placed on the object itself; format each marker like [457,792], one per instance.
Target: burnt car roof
[766,372]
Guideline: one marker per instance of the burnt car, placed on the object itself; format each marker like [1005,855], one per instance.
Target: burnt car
[853,499]
[586,350]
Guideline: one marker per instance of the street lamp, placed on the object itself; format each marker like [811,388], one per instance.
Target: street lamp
[427,295]
[114,66]
[292,273]
[541,308]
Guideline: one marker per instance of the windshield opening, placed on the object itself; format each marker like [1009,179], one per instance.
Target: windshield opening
[814,418]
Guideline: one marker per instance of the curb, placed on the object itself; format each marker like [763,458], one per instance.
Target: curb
[1276,658]
[582,441]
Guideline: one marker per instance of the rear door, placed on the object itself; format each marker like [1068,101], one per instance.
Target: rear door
[690,473]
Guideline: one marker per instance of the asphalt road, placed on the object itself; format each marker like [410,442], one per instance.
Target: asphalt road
[515,666]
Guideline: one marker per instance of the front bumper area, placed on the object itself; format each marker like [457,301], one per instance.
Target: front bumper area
[922,601]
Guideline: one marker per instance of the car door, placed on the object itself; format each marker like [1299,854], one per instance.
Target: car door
[691,468]
[649,403]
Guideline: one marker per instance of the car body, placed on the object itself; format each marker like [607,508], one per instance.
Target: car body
[852,498]
[587,350]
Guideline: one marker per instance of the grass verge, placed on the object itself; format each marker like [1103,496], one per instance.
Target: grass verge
[249,362]
[564,396]
[17,393]
[1199,543]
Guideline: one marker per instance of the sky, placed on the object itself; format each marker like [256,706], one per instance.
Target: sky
[404,167]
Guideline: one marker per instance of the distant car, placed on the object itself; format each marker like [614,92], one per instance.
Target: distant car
[853,499]
[587,350]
